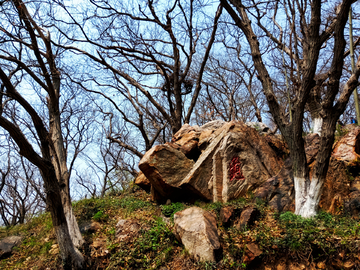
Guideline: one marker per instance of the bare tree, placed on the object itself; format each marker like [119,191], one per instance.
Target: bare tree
[20,198]
[4,171]
[111,165]
[29,65]
[317,34]
[144,51]
[232,91]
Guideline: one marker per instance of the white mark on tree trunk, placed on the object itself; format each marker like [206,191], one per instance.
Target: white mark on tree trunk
[300,193]
[316,125]
[73,226]
[307,199]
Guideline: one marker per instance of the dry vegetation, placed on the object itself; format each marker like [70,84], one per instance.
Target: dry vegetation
[328,240]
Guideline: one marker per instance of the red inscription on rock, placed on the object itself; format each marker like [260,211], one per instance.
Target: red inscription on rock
[235,169]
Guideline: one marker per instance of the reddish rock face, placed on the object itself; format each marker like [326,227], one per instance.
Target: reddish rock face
[226,214]
[143,182]
[247,218]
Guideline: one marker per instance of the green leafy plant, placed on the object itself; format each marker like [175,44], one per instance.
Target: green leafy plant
[100,216]
[131,204]
[171,209]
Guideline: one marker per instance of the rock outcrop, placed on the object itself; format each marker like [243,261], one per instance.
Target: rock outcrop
[219,161]
[197,230]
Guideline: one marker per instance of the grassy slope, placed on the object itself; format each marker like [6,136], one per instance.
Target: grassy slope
[333,240]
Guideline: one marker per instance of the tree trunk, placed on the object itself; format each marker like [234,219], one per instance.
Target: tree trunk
[307,195]
[72,258]
[62,175]
[73,226]
[316,125]
[314,107]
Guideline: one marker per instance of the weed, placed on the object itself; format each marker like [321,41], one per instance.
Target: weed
[216,206]
[132,204]
[171,209]
[112,231]
[207,265]
[46,247]
[100,216]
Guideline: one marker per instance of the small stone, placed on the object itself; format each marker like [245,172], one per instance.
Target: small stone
[247,217]
[7,244]
[90,227]
[321,265]
[254,248]
[226,214]
[253,251]
[348,265]
[281,266]
[127,228]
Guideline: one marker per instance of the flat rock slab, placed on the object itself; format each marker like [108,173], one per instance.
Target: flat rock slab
[7,244]
[197,230]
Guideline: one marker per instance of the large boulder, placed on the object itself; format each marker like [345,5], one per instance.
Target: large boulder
[219,161]
[278,190]
[165,167]
[7,244]
[197,230]
[241,163]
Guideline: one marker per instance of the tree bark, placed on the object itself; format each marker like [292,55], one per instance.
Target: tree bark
[62,173]
[72,258]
